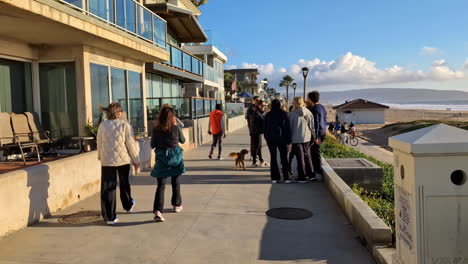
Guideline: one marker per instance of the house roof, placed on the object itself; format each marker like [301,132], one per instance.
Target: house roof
[243,70]
[359,104]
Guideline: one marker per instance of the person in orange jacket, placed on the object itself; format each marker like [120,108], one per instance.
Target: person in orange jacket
[216,128]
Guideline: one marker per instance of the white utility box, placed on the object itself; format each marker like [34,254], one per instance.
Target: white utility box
[431,195]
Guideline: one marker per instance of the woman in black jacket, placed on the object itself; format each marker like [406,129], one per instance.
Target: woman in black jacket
[278,135]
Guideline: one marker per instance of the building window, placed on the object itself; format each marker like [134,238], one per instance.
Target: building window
[126,90]
[135,100]
[15,86]
[99,89]
[58,99]
[119,90]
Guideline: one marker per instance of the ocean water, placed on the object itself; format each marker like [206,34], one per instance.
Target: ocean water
[448,107]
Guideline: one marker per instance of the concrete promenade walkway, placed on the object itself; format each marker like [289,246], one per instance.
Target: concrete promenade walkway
[373,150]
[224,222]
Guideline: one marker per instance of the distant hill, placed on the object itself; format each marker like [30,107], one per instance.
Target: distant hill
[398,96]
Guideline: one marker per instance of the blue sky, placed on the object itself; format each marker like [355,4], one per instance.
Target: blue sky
[357,43]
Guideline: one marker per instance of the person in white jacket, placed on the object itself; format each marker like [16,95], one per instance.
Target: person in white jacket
[116,150]
[302,127]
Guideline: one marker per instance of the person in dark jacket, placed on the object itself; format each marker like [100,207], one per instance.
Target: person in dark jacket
[320,120]
[278,136]
[169,163]
[256,130]
[248,115]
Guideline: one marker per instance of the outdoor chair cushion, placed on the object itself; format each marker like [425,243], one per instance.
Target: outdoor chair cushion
[39,135]
[6,133]
[21,128]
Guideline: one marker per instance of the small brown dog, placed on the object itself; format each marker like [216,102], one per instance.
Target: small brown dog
[239,157]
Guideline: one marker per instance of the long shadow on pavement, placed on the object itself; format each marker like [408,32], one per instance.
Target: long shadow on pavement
[326,237]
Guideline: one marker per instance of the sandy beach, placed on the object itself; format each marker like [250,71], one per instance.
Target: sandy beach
[379,135]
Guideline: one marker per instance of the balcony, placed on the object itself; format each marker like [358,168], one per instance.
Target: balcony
[184,61]
[127,15]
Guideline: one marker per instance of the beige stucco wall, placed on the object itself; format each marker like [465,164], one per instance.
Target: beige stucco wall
[17,49]
[236,123]
[29,194]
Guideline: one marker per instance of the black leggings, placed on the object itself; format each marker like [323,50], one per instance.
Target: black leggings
[108,186]
[256,146]
[159,196]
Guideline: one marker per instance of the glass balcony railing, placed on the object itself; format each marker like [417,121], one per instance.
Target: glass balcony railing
[127,15]
[210,74]
[185,107]
[184,61]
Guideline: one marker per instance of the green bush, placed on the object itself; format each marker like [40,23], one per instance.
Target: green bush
[383,203]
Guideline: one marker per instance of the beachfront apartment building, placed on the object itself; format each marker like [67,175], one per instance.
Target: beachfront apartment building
[65,58]
[246,78]
[213,56]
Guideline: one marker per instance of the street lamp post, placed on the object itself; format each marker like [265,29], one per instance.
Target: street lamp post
[294,85]
[305,71]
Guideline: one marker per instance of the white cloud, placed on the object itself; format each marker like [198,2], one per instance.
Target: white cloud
[430,51]
[265,70]
[438,63]
[230,67]
[441,72]
[352,70]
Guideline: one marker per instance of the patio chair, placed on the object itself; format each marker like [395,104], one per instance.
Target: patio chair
[7,140]
[40,136]
[23,135]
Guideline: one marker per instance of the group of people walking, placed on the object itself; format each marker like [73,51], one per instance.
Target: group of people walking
[299,132]
[116,151]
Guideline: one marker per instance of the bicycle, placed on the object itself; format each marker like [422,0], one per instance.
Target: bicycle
[352,138]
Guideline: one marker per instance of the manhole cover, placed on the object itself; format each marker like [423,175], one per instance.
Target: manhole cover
[85,217]
[289,213]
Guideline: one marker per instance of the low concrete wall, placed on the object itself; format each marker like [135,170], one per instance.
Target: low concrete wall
[30,194]
[236,123]
[366,222]
[189,142]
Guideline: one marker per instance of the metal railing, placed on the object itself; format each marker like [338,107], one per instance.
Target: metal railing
[127,15]
[185,107]
[184,61]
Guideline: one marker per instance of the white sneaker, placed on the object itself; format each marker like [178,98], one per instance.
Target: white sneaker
[220,158]
[302,181]
[312,179]
[133,205]
[274,182]
[178,209]
[264,164]
[288,181]
[113,222]
[158,217]
[255,165]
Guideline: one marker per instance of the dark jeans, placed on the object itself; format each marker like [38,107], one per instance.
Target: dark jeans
[290,160]
[256,146]
[159,196]
[315,154]
[304,163]
[217,140]
[108,185]
[274,168]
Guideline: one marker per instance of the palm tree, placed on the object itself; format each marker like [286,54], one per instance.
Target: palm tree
[286,82]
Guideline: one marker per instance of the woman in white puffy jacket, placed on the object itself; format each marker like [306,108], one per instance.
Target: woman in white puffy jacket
[116,150]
